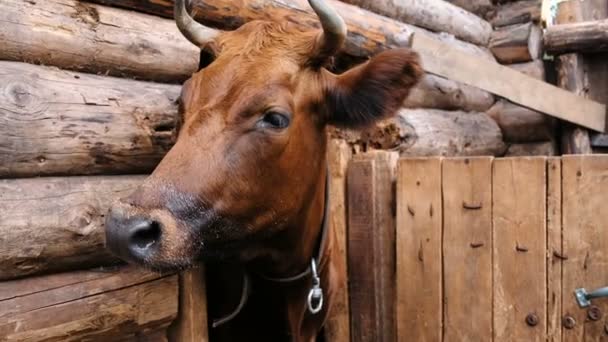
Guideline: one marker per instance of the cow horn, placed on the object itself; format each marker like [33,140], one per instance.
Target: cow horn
[196,33]
[334,29]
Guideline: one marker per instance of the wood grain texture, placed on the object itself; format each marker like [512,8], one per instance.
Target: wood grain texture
[369,33]
[339,153]
[519,243]
[555,254]
[535,69]
[435,15]
[467,249]
[191,322]
[56,122]
[440,93]
[80,36]
[125,304]
[419,253]
[517,43]
[516,12]
[429,132]
[56,224]
[519,124]
[479,7]
[371,254]
[584,185]
[545,148]
[583,37]
[444,61]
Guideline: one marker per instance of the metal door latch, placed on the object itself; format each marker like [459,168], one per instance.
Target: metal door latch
[584,298]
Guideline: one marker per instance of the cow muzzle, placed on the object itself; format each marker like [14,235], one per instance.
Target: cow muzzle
[134,238]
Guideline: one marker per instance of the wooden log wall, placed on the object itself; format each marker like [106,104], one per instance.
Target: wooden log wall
[91,89]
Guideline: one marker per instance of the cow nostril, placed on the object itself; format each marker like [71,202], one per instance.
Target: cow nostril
[146,235]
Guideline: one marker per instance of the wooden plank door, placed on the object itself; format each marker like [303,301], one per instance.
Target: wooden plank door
[585,243]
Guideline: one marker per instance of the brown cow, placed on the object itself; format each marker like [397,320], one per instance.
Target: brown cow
[245,182]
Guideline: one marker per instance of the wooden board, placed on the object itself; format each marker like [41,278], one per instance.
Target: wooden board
[445,61]
[77,35]
[467,249]
[191,322]
[56,224]
[56,122]
[519,243]
[371,232]
[337,327]
[585,241]
[555,254]
[418,239]
[122,304]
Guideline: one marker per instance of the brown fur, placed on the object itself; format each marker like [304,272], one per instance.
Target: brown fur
[254,197]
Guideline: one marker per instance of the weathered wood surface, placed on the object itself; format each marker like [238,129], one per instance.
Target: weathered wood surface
[440,93]
[517,12]
[371,248]
[479,7]
[442,60]
[120,305]
[369,33]
[555,255]
[435,15]
[517,43]
[428,132]
[535,69]
[419,256]
[519,243]
[584,185]
[191,322]
[56,122]
[467,249]
[583,37]
[80,36]
[339,153]
[519,124]
[56,224]
[545,148]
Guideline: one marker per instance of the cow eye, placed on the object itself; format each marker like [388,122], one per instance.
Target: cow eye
[275,120]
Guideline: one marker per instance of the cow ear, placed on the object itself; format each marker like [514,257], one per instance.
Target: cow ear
[374,90]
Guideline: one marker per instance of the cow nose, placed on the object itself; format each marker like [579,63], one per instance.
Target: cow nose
[132,238]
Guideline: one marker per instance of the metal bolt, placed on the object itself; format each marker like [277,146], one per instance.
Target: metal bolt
[532,320]
[568,322]
[594,313]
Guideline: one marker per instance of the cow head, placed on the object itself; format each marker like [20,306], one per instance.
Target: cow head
[245,179]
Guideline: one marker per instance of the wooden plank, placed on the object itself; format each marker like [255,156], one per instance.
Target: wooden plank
[555,255]
[419,279]
[371,253]
[520,242]
[81,36]
[56,122]
[191,322]
[467,249]
[445,61]
[124,304]
[585,241]
[583,37]
[56,224]
[339,153]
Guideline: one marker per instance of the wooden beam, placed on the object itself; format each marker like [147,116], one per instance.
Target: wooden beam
[56,224]
[435,15]
[125,304]
[583,37]
[445,61]
[58,122]
[80,36]
[517,12]
[191,322]
[517,43]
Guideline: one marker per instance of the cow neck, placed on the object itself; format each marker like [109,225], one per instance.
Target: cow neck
[317,262]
